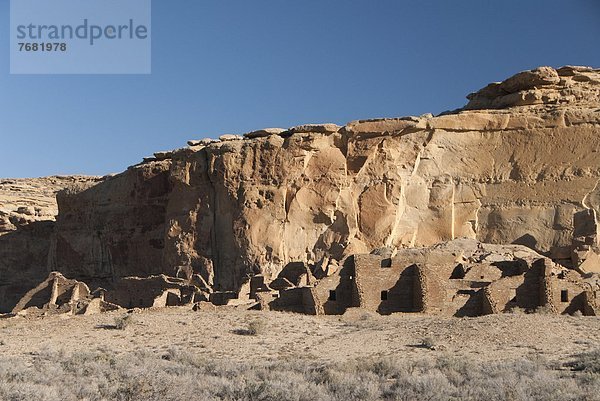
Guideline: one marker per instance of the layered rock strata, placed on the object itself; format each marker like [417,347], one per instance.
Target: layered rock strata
[515,166]
[28,209]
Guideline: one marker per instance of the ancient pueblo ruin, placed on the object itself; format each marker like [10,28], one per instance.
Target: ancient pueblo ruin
[477,211]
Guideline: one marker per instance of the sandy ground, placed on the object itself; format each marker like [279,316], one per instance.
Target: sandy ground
[357,334]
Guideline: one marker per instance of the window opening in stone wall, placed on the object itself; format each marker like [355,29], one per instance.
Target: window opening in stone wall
[386,262]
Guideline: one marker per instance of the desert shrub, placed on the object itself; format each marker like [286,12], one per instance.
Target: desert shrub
[255,327]
[545,310]
[144,376]
[428,343]
[122,322]
[588,362]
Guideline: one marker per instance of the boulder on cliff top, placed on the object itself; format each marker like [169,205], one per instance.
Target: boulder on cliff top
[543,85]
[230,137]
[262,133]
[202,142]
[315,128]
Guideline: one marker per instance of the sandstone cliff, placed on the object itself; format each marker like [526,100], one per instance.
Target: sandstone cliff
[23,201]
[517,165]
[27,213]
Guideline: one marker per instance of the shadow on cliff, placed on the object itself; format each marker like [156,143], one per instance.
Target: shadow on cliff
[530,242]
[125,212]
[115,228]
[23,261]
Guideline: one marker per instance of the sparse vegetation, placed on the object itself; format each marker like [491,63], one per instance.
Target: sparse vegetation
[587,362]
[545,310]
[122,322]
[141,376]
[255,328]
[428,343]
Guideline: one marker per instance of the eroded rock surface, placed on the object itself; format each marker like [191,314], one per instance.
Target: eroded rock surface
[28,209]
[24,201]
[512,175]
[515,166]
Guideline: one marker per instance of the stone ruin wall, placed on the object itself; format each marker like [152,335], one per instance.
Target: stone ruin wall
[514,166]
[411,284]
[28,209]
[239,207]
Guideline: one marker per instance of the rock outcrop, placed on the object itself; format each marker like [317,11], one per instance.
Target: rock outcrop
[28,209]
[25,201]
[515,166]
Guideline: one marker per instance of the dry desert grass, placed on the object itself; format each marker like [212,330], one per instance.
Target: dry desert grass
[178,354]
[180,375]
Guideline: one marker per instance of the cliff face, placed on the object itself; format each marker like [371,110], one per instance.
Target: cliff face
[113,229]
[27,213]
[514,166]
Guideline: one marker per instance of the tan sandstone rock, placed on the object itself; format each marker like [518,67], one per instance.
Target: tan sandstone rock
[261,133]
[230,137]
[515,166]
[315,128]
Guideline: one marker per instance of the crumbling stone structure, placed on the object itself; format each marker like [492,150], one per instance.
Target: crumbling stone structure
[154,291]
[294,205]
[58,294]
[458,278]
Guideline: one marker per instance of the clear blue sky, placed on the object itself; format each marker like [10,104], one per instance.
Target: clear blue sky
[234,66]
